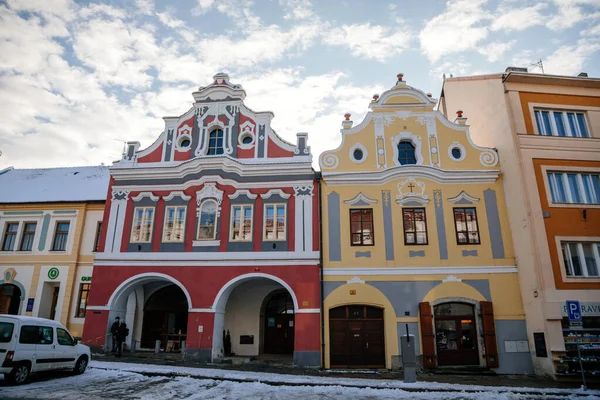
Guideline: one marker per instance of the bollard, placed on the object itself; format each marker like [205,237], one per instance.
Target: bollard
[133,345]
[157,347]
[183,346]
[409,359]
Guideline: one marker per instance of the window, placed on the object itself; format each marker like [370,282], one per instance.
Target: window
[27,237]
[174,229]
[207,223]
[215,142]
[467,231]
[84,292]
[406,153]
[60,236]
[6,331]
[358,154]
[241,223]
[63,337]
[361,227]
[574,188]
[143,222]
[45,335]
[561,123]
[28,334]
[275,221]
[97,239]
[581,259]
[415,226]
[456,153]
[10,236]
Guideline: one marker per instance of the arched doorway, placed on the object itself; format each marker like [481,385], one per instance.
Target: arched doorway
[157,294]
[165,317]
[456,334]
[10,299]
[356,337]
[278,323]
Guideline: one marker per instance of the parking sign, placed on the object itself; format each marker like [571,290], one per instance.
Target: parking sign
[574,313]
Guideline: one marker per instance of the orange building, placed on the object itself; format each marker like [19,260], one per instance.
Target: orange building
[547,132]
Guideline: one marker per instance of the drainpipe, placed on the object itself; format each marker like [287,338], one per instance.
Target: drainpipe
[318,178]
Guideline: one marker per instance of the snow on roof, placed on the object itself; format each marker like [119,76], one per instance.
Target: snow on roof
[47,185]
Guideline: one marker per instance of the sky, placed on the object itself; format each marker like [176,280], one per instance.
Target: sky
[80,78]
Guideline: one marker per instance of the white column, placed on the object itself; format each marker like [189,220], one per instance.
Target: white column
[303,217]
[116,221]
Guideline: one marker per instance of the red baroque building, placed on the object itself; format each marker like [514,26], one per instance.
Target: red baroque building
[212,228]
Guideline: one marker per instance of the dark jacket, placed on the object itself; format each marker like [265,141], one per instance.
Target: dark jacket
[122,332]
[114,328]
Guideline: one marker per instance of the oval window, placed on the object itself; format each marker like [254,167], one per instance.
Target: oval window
[185,143]
[247,139]
[358,154]
[456,153]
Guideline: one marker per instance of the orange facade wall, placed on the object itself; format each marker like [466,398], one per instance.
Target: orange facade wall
[566,221]
[558,99]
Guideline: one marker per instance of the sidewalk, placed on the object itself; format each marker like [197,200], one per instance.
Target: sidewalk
[297,376]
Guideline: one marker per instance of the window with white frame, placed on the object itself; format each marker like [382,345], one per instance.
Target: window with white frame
[143,223]
[275,218]
[574,187]
[582,259]
[561,123]
[241,223]
[207,221]
[174,229]
[215,142]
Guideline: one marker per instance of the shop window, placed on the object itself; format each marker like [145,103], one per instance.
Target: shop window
[84,291]
[467,229]
[361,227]
[588,336]
[97,238]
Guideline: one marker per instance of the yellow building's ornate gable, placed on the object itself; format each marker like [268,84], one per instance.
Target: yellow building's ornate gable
[405,115]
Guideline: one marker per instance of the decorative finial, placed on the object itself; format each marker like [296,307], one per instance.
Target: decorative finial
[375,97]
[459,113]
[347,116]
[400,76]
[429,95]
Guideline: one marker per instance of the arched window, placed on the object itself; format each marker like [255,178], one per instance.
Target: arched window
[406,153]
[215,142]
[207,225]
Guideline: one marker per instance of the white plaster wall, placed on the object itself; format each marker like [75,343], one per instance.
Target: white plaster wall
[242,314]
[24,277]
[89,232]
[61,280]
[81,272]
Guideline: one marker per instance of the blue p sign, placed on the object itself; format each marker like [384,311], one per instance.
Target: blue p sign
[574,311]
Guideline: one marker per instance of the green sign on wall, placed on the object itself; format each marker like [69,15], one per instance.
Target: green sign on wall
[53,273]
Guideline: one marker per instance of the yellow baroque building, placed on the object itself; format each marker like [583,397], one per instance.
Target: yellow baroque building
[416,239]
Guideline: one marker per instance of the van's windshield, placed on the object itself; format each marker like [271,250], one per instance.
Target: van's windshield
[6,330]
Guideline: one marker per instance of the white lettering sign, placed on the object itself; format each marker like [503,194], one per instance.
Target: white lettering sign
[587,309]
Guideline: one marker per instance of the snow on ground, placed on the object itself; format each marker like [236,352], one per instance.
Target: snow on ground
[264,377]
[118,384]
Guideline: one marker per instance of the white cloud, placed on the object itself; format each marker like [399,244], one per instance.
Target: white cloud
[518,19]
[169,20]
[297,9]
[571,59]
[456,66]
[593,31]
[240,11]
[145,6]
[457,29]
[495,51]
[570,12]
[369,41]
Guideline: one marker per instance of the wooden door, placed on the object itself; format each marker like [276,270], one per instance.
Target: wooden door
[54,302]
[356,337]
[279,334]
[456,334]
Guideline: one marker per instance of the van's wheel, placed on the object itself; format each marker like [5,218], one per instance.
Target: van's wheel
[81,365]
[19,374]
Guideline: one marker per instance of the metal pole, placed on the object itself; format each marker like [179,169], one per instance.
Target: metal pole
[580,362]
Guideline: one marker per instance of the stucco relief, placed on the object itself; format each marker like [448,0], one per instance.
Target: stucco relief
[411,190]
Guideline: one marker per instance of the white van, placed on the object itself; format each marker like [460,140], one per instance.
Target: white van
[29,344]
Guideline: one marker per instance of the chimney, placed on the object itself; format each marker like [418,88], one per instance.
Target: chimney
[516,69]
[583,74]
[460,119]
[346,123]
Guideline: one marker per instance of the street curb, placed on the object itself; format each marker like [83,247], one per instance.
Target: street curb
[545,395]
